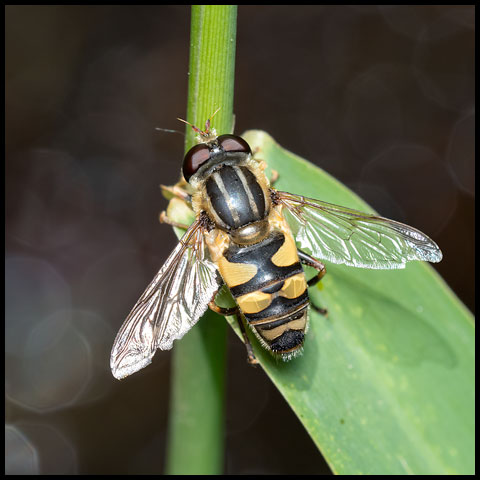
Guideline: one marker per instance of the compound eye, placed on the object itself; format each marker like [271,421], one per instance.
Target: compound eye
[232,143]
[194,159]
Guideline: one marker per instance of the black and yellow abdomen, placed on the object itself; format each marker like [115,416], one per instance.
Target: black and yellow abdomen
[269,285]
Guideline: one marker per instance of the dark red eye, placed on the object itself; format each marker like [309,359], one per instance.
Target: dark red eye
[232,143]
[194,159]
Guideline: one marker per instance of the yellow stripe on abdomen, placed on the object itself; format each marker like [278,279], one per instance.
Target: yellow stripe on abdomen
[294,286]
[236,273]
[254,302]
[287,254]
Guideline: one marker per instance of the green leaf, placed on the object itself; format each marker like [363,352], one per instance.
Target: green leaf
[386,381]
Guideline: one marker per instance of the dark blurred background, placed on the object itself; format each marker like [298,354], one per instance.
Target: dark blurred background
[381,97]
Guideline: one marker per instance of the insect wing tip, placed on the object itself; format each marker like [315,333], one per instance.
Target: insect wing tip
[436,256]
[127,365]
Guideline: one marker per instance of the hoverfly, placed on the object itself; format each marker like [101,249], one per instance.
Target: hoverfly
[243,236]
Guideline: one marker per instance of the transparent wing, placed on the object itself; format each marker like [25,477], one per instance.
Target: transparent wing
[172,303]
[343,235]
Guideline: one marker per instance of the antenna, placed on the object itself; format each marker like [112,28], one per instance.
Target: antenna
[168,130]
[207,133]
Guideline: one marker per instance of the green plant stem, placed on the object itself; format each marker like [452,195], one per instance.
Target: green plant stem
[196,422]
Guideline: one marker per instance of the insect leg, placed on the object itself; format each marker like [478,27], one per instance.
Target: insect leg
[274,177]
[176,191]
[250,355]
[226,312]
[320,267]
[312,262]
[236,312]
[165,219]
[263,165]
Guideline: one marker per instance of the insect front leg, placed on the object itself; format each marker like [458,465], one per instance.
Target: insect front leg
[274,177]
[320,267]
[178,190]
[235,311]
[163,218]
[263,166]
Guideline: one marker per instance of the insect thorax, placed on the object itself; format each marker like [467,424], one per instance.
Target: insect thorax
[236,197]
